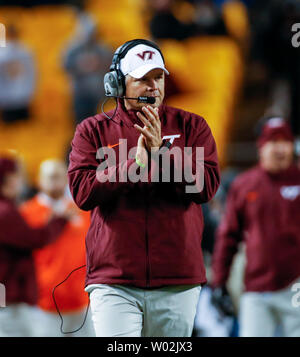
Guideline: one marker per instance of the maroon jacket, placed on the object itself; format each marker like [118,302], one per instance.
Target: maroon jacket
[145,234]
[17,240]
[263,210]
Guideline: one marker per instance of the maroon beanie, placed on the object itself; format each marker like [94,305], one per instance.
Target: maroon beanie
[6,165]
[275,128]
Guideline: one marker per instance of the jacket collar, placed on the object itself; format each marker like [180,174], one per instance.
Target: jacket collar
[284,175]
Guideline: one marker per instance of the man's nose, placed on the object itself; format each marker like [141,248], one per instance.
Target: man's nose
[152,84]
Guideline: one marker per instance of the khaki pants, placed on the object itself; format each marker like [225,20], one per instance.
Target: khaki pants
[262,314]
[126,311]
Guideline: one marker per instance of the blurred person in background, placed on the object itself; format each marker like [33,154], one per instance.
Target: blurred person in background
[17,78]
[86,61]
[54,262]
[17,242]
[262,209]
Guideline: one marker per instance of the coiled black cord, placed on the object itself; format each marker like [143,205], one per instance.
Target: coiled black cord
[114,113]
[57,309]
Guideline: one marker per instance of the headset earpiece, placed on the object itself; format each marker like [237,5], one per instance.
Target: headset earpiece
[113,85]
[113,80]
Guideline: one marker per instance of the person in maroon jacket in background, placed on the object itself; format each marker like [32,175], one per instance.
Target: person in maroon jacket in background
[144,257]
[17,240]
[263,209]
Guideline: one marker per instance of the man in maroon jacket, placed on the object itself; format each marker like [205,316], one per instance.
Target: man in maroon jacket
[17,240]
[144,258]
[263,209]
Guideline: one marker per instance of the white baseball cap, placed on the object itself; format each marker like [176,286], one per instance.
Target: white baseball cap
[141,59]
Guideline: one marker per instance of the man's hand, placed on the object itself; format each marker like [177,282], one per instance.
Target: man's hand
[67,212]
[141,153]
[222,301]
[152,129]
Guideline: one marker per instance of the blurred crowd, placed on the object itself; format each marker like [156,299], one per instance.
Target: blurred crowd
[53,229]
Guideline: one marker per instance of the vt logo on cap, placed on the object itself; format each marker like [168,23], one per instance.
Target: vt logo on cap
[143,54]
[141,59]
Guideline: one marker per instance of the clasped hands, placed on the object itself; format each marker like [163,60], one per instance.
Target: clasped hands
[150,138]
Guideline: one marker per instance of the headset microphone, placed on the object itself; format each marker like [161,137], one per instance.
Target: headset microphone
[149,100]
[142,99]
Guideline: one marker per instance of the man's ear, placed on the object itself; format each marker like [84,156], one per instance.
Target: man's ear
[127,79]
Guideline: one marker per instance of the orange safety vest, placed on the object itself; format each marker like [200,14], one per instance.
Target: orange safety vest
[55,261]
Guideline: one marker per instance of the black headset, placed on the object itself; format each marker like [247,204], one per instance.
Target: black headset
[114,80]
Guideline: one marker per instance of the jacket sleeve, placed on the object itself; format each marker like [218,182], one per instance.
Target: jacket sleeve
[16,232]
[228,236]
[197,168]
[89,185]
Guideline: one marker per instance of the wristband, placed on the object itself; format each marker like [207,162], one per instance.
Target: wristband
[139,163]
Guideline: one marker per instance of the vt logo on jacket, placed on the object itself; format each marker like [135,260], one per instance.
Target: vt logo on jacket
[290,192]
[171,137]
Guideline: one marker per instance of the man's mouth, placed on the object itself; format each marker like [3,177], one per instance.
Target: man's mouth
[151,95]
